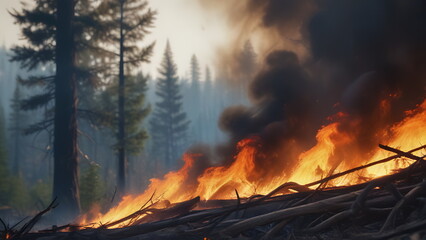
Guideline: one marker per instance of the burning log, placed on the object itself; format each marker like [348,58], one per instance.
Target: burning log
[384,207]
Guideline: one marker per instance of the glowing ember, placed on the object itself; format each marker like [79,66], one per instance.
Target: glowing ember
[333,153]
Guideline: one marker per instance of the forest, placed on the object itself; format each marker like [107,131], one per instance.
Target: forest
[213,119]
[128,127]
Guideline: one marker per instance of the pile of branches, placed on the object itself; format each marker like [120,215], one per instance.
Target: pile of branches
[389,207]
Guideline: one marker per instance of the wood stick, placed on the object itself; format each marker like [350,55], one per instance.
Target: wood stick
[410,196]
[134,215]
[273,232]
[394,191]
[176,210]
[337,175]
[30,224]
[402,153]
[329,204]
[149,227]
[403,229]
[343,215]
[362,167]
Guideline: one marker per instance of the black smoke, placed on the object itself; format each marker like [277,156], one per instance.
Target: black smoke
[367,60]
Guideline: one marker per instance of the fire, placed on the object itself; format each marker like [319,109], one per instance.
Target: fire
[317,160]
[408,134]
[220,182]
[332,153]
[171,187]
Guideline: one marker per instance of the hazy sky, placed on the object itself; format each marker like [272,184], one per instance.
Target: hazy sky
[190,29]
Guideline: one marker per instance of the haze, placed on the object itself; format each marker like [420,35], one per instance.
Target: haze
[190,28]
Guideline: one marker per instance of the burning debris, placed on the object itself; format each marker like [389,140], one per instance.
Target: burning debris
[385,207]
[253,172]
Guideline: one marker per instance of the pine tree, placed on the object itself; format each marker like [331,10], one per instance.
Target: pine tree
[49,29]
[208,106]
[17,125]
[41,27]
[208,91]
[195,77]
[91,187]
[208,79]
[136,111]
[195,101]
[65,179]
[129,22]
[168,126]
[13,190]
[38,27]
[4,171]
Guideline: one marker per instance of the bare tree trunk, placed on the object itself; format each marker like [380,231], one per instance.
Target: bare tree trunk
[65,181]
[122,161]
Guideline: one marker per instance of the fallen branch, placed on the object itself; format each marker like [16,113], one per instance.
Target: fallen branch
[329,204]
[410,196]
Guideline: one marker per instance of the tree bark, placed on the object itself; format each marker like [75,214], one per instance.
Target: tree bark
[65,181]
[122,161]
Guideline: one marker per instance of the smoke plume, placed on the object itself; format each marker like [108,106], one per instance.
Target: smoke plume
[358,62]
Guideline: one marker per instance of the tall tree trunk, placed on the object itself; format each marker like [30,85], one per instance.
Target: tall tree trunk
[17,157]
[65,180]
[122,163]
[169,141]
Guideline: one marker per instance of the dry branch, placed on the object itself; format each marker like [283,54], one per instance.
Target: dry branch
[410,196]
[329,204]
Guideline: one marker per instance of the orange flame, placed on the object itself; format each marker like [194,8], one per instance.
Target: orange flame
[170,187]
[321,160]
